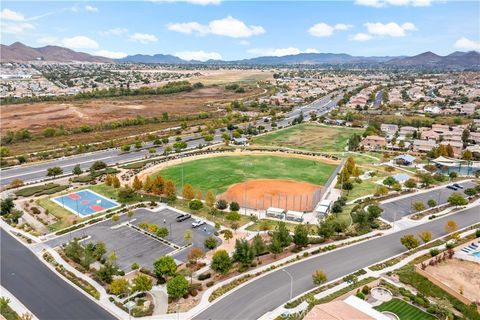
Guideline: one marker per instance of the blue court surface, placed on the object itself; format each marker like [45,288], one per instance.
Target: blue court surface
[85,202]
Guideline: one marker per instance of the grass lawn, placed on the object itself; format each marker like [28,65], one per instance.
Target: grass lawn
[218,173]
[404,310]
[272,224]
[311,137]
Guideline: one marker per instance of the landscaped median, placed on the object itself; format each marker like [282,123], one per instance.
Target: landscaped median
[82,284]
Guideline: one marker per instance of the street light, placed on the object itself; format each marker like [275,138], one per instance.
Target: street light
[291,283]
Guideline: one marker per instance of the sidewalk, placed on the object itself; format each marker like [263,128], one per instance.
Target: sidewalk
[16,304]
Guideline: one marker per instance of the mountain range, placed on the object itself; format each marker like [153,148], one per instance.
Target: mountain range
[20,52]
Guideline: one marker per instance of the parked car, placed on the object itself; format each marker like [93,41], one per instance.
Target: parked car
[452,188]
[183,217]
[197,223]
[456,185]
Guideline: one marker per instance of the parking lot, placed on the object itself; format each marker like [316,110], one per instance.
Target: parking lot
[395,209]
[131,245]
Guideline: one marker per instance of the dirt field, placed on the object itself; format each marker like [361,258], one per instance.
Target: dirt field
[264,193]
[38,116]
[458,275]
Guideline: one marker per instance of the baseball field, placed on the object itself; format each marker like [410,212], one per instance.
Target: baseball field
[283,179]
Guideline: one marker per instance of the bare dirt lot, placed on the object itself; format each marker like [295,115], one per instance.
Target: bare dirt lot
[460,276]
[264,193]
[38,116]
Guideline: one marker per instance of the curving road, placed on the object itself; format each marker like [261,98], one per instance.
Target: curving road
[44,293]
[267,293]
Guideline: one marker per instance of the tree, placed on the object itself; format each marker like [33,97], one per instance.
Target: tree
[221,262]
[195,254]
[431,203]
[234,206]
[221,204]
[418,206]
[275,246]
[177,287]
[409,241]
[188,193]
[326,228]
[108,180]
[457,200]
[470,192]
[243,253]
[264,225]
[148,185]
[258,245]
[381,191]
[119,286]
[137,184]
[210,199]
[125,194]
[300,236]
[188,236]
[53,172]
[319,277]
[77,170]
[410,183]
[98,165]
[451,226]
[142,283]
[170,190]
[210,242]
[389,181]
[116,182]
[165,267]
[426,236]
[283,234]
[15,183]
[227,235]
[115,217]
[162,232]
[374,212]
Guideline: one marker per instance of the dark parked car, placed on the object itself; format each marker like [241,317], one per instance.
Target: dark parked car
[452,188]
[456,185]
[183,217]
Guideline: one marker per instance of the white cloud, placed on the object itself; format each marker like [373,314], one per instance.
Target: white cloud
[198,55]
[361,37]
[199,2]
[143,38]
[10,15]
[15,28]
[391,29]
[90,8]
[467,44]
[114,32]
[229,27]
[79,42]
[324,30]
[279,52]
[385,3]
[111,54]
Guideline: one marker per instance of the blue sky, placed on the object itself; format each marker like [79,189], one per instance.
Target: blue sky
[203,29]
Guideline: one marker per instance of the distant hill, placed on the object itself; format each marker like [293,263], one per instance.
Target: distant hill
[18,52]
[156,58]
[456,59]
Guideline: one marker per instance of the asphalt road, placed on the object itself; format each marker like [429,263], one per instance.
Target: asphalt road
[396,209]
[267,293]
[37,172]
[39,289]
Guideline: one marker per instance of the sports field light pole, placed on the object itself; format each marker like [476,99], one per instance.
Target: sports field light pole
[181,160]
[291,283]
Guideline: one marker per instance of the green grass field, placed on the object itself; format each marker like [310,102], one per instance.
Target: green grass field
[218,173]
[311,137]
[404,310]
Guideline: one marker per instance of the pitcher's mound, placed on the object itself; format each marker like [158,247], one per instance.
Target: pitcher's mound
[265,193]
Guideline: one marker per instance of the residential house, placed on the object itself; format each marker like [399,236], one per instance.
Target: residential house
[430,135]
[389,130]
[407,131]
[468,108]
[475,137]
[432,110]
[423,145]
[440,128]
[374,143]
[350,308]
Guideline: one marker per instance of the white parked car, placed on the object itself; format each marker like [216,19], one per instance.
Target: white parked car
[197,223]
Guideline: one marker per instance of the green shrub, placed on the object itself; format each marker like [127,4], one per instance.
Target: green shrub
[195,204]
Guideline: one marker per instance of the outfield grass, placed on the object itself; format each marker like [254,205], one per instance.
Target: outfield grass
[218,173]
[311,137]
[404,311]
